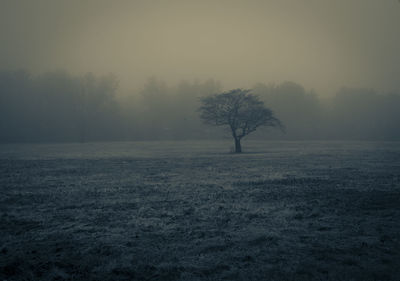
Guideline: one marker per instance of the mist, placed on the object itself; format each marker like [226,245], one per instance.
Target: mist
[323,45]
[135,70]
[200,140]
[61,107]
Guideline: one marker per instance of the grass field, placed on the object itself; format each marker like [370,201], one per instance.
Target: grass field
[194,211]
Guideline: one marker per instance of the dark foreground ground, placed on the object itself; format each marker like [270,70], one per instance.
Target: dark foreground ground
[193,211]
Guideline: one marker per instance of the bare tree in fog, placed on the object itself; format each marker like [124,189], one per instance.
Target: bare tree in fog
[241,111]
[59,106]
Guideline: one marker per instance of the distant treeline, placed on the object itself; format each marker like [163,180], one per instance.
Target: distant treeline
[60,107]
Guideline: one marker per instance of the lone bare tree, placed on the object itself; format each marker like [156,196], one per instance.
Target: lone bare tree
[241,111]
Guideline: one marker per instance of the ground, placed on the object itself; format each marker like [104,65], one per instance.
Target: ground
[194,211]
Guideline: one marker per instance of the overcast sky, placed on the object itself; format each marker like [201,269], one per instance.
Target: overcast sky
[320,44]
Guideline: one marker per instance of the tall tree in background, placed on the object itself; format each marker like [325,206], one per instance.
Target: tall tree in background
[241,111]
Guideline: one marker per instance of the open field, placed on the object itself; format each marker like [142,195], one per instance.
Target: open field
[194,211]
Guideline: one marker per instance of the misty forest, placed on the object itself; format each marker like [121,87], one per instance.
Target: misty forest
[60,107]
[200,140]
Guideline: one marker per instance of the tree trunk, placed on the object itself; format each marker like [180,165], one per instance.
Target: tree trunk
[238,147]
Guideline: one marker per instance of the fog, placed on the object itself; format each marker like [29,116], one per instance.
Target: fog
[135,70]
[321,44]
[58,106]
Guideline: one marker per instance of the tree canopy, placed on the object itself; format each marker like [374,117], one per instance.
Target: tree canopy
[238,109]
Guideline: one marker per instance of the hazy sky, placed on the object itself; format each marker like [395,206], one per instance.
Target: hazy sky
[322,44]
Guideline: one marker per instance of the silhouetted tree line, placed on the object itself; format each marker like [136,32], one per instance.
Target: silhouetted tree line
[351,114]
[58,106]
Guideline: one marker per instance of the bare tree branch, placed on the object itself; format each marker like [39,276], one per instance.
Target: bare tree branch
[242,111]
